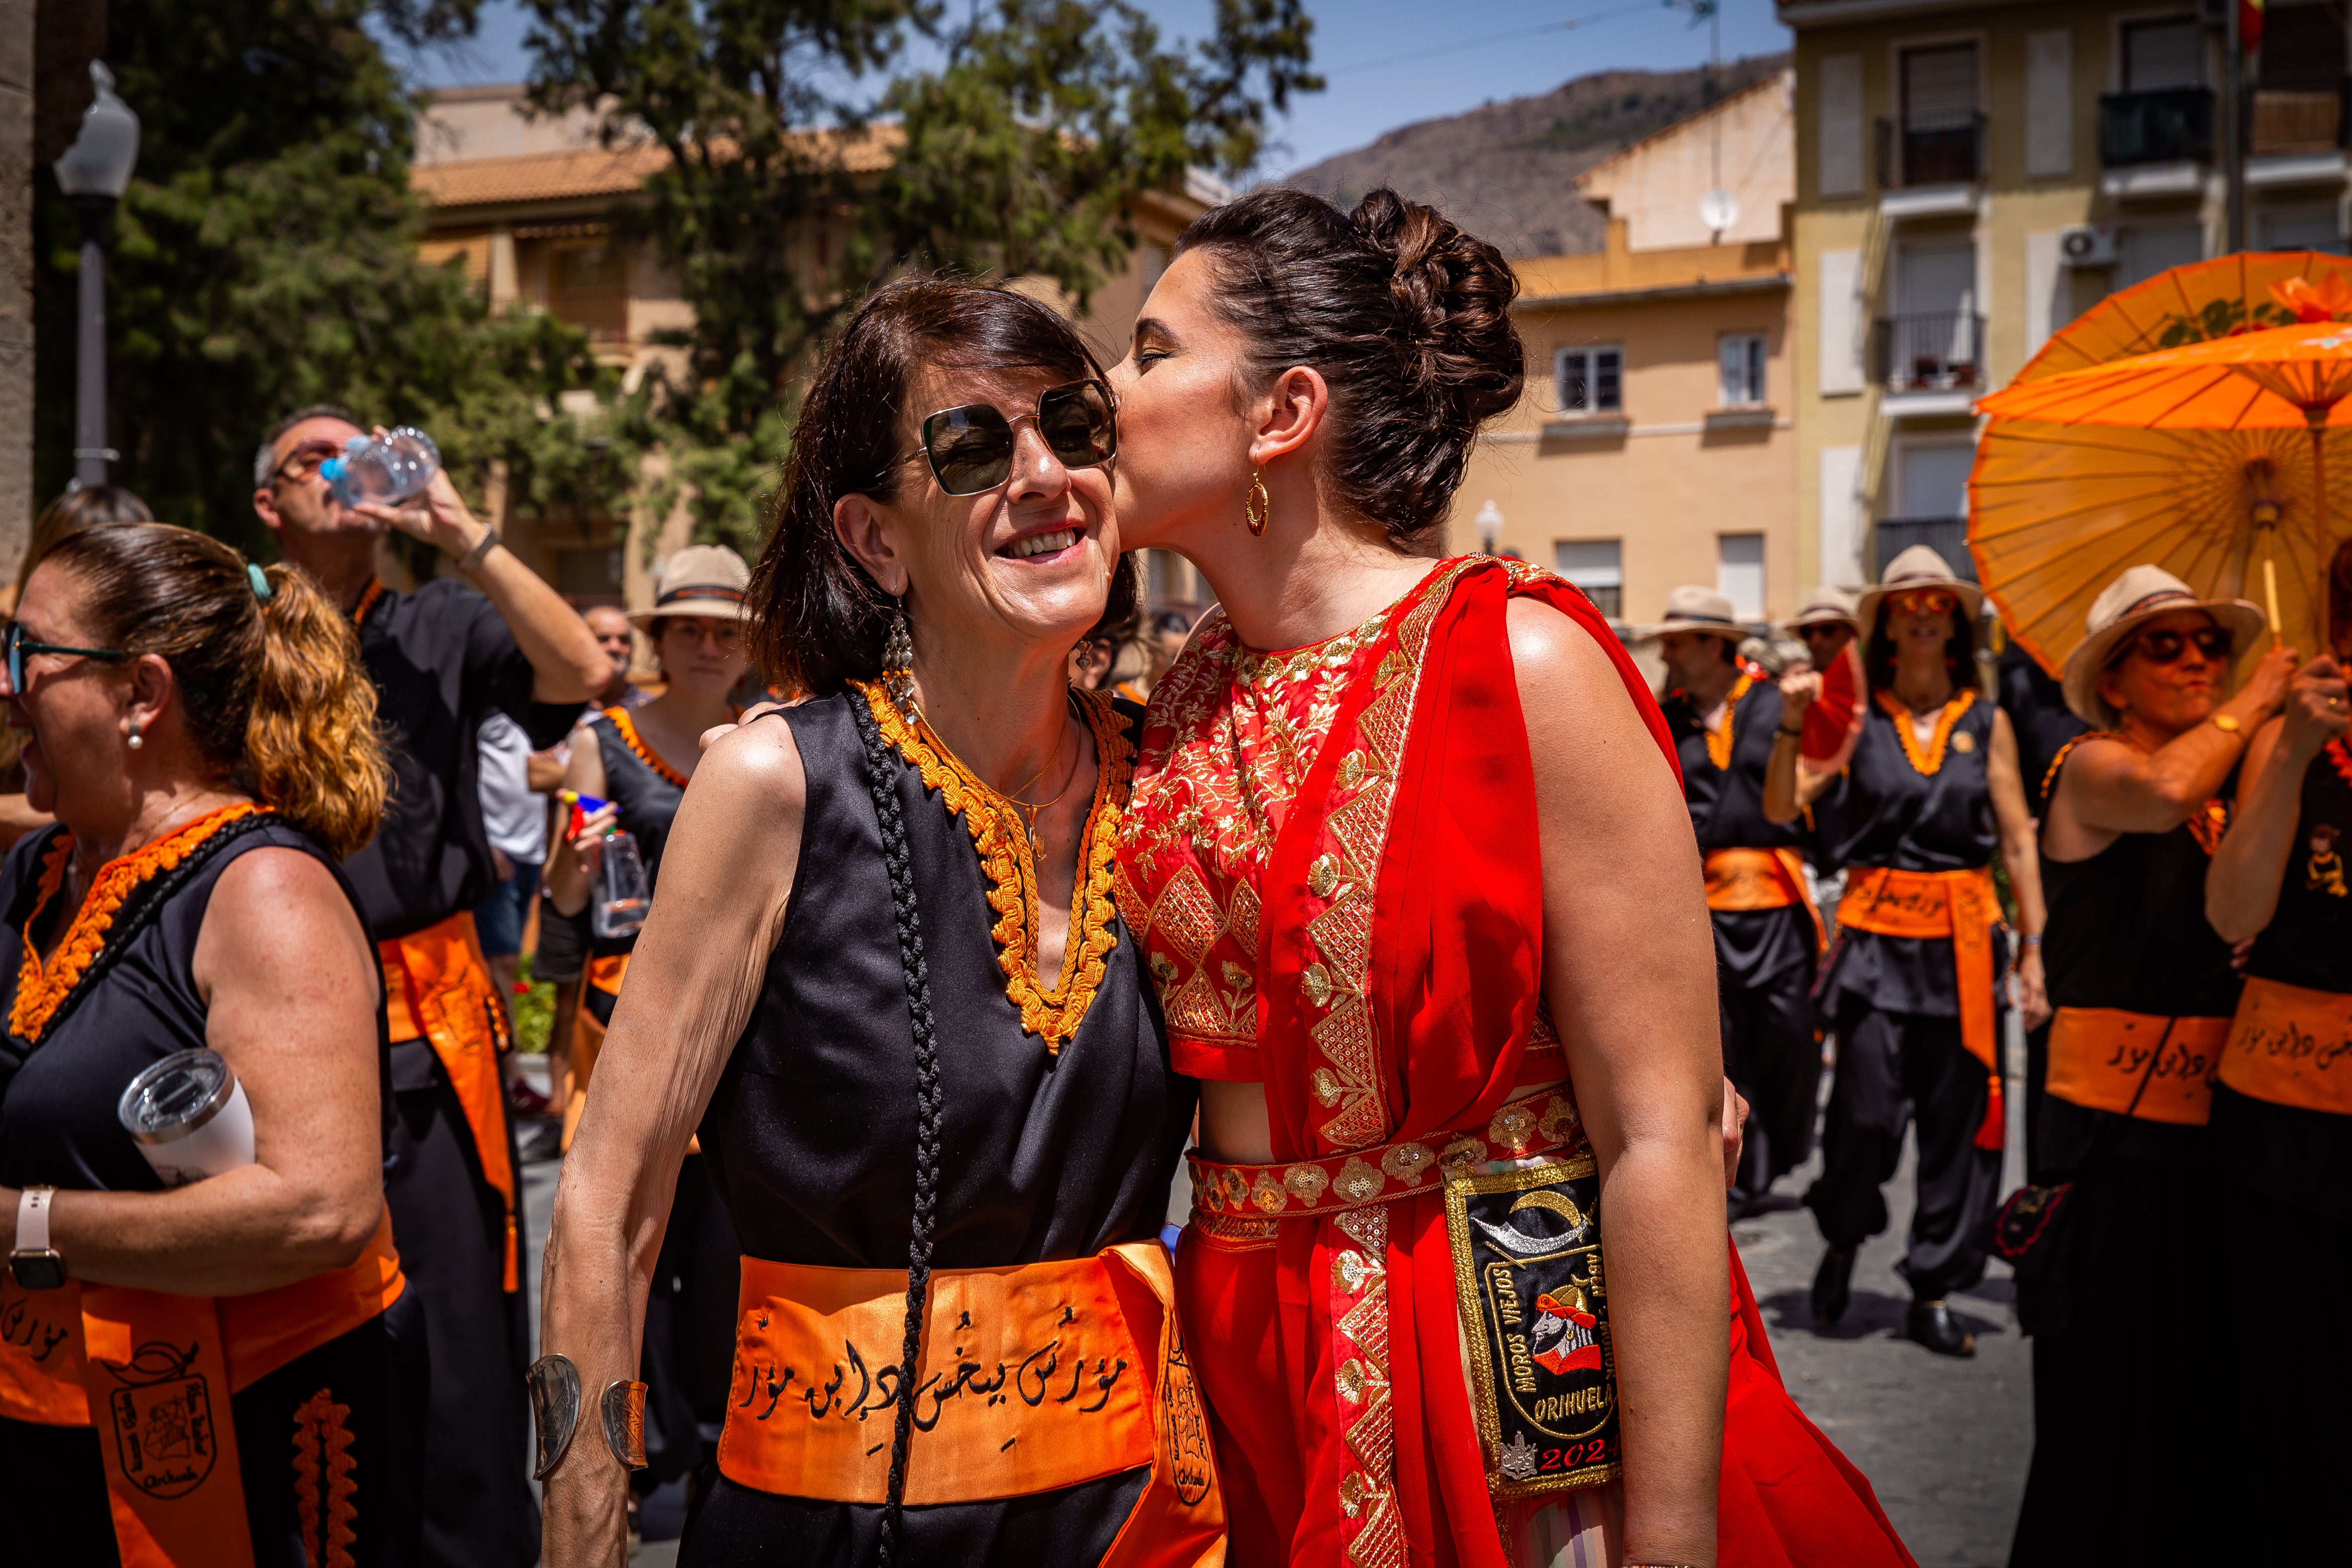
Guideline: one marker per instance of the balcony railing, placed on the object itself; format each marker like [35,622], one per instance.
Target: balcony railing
[1940,351]
[2298,120]
[1947,536]
[1946,148]
[2171,126]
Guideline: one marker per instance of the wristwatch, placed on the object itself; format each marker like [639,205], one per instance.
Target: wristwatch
[36,1265]
[2226,722]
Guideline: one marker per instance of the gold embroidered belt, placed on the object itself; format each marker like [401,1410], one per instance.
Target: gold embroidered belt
[1538,1123]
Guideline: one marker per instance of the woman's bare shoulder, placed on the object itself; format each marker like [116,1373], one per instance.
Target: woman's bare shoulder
[1553,652]
[756,763]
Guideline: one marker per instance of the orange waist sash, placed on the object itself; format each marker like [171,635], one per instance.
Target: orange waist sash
[437,986]
[2099,1055]
[162,1367]
[1961,908]
[1031,1378]
[1740,879]
[2292,1046]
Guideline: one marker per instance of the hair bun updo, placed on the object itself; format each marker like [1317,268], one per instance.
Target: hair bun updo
[1407,317]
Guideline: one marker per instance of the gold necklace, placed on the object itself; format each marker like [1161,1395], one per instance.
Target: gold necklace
[1009,797]
[1031,812]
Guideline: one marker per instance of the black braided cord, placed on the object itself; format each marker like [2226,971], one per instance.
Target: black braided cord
[881,779]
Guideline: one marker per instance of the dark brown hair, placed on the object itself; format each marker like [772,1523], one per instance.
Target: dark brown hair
[84,506]
[1960,653]
[272,691]
[820,620]
[1407,317]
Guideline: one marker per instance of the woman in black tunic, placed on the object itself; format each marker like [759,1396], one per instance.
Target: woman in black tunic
[2144,990]
[1932,791]
[885,978]
[206,734]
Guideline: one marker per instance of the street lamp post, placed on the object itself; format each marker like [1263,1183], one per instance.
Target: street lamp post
[93,175]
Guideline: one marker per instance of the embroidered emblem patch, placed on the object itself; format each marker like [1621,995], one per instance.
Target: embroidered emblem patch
[163,1420]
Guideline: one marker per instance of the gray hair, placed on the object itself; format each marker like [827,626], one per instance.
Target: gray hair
[265,457]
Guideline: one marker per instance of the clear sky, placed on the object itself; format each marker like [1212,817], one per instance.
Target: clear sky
[1389,62]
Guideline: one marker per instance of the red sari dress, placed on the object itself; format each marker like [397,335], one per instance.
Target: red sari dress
[1331,862]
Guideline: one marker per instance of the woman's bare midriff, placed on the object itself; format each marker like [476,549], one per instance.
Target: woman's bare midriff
[1235,1127]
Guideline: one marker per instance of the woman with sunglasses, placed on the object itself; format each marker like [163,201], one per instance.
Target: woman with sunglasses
[2144,990]
[1413,871]
[1929,795]
[229,1371]
[885,983]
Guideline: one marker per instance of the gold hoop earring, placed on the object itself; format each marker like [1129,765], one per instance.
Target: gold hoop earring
[1257,506]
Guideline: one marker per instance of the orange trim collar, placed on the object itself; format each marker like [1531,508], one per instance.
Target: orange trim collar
[367,601]
[1932,760]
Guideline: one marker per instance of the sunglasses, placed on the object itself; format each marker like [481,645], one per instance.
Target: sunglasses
[1924,602]
[970,446]
[15,645]
[303,460]
[2165,645]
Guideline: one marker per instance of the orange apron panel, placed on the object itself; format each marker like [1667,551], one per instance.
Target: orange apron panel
[1033,1378]
[2292,1047]
[156,1369]
[1959,906]
[437,986]
[2098,1056]
[1738,880]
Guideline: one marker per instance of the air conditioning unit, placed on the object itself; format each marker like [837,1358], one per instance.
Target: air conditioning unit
[2087,245]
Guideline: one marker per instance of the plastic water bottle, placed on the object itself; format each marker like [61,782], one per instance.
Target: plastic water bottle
[622,894]
[388,471]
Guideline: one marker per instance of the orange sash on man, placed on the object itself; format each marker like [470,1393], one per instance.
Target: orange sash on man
[437,986]
[1959,907]
[161,1368]
[2100,1057]
[1742,880]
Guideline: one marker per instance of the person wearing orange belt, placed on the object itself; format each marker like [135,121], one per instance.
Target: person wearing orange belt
[227,1374]
[441,659]
[1930,793]
[2281,1267]
[2143,990]
[1724,715]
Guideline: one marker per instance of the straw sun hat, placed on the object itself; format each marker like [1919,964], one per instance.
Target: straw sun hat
[1918,567]
[699,580]
[1824,606]
[1694,609]
[2127,603]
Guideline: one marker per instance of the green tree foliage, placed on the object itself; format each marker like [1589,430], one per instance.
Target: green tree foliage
[817,146]
[266,257]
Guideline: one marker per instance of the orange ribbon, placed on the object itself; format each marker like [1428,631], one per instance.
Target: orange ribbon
[1742,880]
[1956,906]
[437,986]
[1031,1378]
[2292,1046]
[2098,1056]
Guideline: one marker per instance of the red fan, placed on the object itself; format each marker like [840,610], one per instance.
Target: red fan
[1833,720]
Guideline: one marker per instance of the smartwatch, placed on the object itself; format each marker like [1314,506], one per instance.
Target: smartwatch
[36,1265]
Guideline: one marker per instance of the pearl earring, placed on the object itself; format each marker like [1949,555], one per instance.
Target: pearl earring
[135,741]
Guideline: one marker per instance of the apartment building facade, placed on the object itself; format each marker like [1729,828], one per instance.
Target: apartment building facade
[1653,445]
[1969,177]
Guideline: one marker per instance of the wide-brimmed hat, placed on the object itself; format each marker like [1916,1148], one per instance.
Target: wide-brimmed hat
[2122,606]
[1824,606]
[699,580]
[1918,567]
[1691,608]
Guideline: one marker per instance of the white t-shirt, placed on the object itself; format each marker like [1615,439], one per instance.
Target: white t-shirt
[515,818]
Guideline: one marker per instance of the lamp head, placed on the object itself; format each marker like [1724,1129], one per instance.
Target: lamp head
[102,158]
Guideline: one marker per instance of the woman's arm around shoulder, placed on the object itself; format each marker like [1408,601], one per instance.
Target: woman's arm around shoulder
[694,976]
[1629,970]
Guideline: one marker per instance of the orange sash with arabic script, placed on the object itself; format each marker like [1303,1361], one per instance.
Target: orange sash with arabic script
[2098,1056]
[438,985]
[2292,1046]
[1959,907]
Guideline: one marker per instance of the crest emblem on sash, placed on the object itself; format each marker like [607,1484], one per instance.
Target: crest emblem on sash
[163,1420]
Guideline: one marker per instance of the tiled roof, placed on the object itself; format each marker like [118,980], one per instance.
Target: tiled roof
[597,172]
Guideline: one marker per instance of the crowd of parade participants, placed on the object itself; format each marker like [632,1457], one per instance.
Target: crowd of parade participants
[1378,907]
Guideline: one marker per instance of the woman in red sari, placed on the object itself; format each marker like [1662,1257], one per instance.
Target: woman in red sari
[1423,904]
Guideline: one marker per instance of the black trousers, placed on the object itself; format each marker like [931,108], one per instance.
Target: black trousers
[2118,1395]
[1895,1069]
[2286,1277]
[687,1356]
[448,1224]
[347,1416]
[1772,1058]
[1073,1526]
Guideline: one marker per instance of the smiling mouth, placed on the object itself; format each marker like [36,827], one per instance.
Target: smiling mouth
[1052,543]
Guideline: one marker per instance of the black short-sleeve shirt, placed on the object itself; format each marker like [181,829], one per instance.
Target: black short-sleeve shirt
[442,660]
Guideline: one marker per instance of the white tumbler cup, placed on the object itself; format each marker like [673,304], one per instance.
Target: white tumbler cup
[189,1116]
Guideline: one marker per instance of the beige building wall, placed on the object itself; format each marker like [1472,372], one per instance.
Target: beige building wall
[1744,146]
[15,282]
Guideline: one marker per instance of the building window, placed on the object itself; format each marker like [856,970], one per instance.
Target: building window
[2158,55]
[1741,358]
[1590,380]
[1739,573]
[1597,566]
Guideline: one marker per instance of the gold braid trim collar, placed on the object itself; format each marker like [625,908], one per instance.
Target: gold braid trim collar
[1929,761]
[40,987]
[1007,857]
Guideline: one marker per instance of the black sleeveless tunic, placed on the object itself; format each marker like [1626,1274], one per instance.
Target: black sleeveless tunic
[646,799]
[2286,1152]
[1885,812]
[811,1133]
[1726,812]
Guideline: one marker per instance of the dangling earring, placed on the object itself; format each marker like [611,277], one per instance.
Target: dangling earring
[899,660]
[135,742]
[1257,506]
